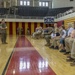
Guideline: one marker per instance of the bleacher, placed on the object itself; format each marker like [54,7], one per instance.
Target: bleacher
[3,11]
[55,11]
[31,12]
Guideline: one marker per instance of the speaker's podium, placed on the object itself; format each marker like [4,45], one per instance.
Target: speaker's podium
[48,20]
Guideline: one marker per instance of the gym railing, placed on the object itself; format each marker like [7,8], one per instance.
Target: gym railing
[65,13]
[20,17]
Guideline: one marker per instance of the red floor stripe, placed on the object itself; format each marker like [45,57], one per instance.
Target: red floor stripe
[27,61]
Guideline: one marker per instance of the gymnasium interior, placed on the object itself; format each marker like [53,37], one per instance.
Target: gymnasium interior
[25,51]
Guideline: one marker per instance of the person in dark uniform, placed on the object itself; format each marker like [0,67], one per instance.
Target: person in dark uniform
[3,28]
[18,31]
[28,31]
[0,29]
[22,31]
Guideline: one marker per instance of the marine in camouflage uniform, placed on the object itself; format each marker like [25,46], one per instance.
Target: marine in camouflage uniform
[48,36]
[3,28]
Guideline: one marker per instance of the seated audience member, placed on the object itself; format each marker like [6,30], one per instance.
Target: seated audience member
[74,25]
[48,37]
[37,33]
[69,39]
[52,36]
[62,38]
[37,28]
[47,31]
[72,58]
[54,43]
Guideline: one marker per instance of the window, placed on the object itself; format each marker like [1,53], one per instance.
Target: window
[21,2]
[46,3]
[24,2]
[43,4]
[40,3]
[28,2]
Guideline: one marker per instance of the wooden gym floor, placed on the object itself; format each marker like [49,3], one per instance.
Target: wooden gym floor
[51,62]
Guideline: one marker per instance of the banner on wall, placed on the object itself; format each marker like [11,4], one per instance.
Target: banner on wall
[60,23]
[48,20]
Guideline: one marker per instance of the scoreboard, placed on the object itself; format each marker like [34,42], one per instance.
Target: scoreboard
[48,20]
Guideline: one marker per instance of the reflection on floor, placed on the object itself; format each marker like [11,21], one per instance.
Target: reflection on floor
[26,60]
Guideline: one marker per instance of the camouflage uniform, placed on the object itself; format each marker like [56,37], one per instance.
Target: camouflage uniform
[48,35]
[73,50]
[3,33]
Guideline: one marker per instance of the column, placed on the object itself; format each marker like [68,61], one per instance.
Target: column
[33,3]
[4,4]
[32,28]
